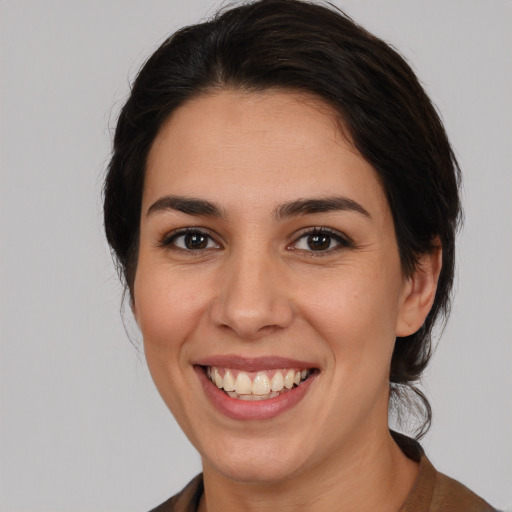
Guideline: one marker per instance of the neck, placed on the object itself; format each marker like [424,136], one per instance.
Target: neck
[373,475]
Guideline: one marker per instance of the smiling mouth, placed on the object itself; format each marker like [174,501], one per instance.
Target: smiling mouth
[259,385]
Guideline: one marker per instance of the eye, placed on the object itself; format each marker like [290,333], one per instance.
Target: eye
[191,240]
[321,240]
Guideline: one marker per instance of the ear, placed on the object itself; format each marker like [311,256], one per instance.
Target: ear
[419,292]
[134,309]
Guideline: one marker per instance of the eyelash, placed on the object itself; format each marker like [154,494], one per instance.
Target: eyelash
[342,241]
[169,241]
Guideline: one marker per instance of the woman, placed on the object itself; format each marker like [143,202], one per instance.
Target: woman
[282,201]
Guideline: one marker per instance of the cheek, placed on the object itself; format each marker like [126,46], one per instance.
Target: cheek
[166,313]
[352,303]
[356,315]
[166,308]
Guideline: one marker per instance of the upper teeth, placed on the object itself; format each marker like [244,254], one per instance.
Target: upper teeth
[259,383]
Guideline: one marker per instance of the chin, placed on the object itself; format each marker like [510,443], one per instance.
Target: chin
[254,461]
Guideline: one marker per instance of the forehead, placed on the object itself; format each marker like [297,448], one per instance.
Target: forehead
[255,146]
[232,119]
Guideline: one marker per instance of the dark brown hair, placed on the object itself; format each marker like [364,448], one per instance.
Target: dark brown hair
[302,46]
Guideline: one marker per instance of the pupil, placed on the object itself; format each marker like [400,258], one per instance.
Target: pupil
[319,242]
[195,241]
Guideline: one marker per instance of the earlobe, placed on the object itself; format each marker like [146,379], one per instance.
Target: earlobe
[419,293]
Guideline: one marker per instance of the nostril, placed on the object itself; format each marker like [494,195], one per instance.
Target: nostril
[250,299]
[251,321]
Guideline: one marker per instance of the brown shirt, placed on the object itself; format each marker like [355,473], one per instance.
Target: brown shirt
[431,492]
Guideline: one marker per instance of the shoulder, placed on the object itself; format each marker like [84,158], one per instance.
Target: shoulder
[433,491]
[436,492]
[185,501]
[449,494]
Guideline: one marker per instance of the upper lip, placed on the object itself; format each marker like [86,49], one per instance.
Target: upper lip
[252,364]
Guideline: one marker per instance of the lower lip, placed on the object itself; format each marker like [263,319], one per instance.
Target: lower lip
[252,410]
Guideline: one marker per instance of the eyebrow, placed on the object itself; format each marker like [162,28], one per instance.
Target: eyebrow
[188,205]
[202,207]
[320,205]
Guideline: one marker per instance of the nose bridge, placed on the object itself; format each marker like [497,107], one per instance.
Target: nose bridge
[252,299]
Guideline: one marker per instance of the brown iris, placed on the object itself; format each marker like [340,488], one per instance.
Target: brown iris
[195,241]
[319,242]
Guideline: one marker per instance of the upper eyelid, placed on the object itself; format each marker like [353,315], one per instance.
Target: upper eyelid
[167,238]
[310,230]
[314,230]
[343,241]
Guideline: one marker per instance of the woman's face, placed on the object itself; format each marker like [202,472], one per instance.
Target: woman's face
[267,250]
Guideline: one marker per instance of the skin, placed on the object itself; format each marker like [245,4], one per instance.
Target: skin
[258,289]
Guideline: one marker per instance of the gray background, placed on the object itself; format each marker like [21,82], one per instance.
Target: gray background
[81,427]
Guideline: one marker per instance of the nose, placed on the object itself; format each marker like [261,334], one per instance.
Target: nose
[253,297]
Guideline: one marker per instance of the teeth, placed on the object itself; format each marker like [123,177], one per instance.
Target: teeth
[247,398]
[243,384]
[260,387]
[277,382]
[261,384]
[218,378]
[289,379]
[229,382]
[253,398]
